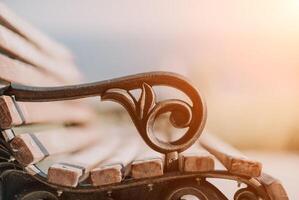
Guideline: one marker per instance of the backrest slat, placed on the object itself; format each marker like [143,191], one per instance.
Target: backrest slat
[18,72]
[24,29]
[15,46]
[30,58]
[18,113]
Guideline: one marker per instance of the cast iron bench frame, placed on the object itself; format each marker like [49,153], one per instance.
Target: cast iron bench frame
[17,183]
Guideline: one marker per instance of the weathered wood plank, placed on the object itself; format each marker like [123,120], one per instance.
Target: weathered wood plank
[13,70]
[14,114]
[118,165]
[196,159]
[31,148]
[79,164]
[17,47]
[147,164]
[26,30]
[234,161]
[273,187]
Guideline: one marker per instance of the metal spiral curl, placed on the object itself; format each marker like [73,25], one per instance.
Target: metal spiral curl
[146,110]
[143,111]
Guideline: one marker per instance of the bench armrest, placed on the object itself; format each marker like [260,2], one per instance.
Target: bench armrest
[143,111]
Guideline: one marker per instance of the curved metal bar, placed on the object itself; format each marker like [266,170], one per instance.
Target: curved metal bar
[204,191]
[143,111]
[246,193]
[178,177]
[171,182]
[38,195]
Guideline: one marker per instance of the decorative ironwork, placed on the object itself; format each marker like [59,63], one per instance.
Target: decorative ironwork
[184,191]
[143,111]
[246,193]
[38,195]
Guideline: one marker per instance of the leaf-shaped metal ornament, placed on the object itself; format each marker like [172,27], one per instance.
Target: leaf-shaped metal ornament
[146,101]
[122,97]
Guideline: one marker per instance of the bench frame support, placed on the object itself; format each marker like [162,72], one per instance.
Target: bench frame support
[189,114]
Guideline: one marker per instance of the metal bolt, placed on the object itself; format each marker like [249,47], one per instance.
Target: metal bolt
[198,180]
[150,186]
[11,159]
[109,193]
[59,192]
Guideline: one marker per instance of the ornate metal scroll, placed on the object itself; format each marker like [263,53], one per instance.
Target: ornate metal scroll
[143,111]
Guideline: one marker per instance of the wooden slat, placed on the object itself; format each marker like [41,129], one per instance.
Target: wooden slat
[273,187]
[196,159]
[23,28]
[118,165]
[13,71]
[53,112]
[148,164]
[79,165]
[31,148]
[17,47]
[232,159]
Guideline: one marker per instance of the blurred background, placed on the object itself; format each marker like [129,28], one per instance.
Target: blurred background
[243,55]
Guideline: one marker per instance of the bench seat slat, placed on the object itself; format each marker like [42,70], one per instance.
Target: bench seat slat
[52,112]
[234,161]
[114,169]
[17,47]
[31,148]
[196,159]
[148,163]
[69,172]
[23,28]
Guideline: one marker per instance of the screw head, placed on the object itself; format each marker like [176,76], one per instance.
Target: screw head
[150,186]
[59,192]
[198,180]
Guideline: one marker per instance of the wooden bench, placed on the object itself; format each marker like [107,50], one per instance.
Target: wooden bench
[54,146]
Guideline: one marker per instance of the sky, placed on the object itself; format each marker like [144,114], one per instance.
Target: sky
[111,38]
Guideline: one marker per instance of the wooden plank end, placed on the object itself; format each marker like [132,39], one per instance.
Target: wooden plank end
[147,168]
[26,150]
[273,187]
[245,167]
[64,175]
[106,175]
[9,114]
[196,163]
